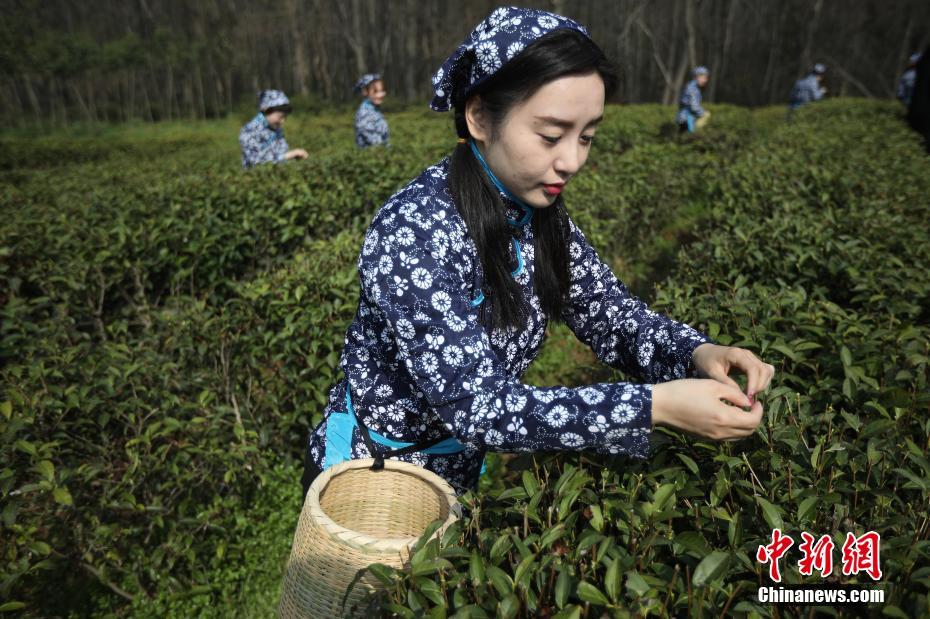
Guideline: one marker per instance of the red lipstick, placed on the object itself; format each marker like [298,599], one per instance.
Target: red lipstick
[553,189]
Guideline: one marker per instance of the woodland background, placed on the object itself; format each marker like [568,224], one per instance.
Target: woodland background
[63,61]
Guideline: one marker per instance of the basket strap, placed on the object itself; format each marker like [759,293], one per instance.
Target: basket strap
[379,456]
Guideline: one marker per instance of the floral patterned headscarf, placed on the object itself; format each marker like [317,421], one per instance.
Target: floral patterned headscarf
[365,80]
[271,98]
[495,41]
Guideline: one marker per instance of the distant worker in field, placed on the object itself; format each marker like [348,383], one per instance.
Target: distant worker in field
[918,112]
[691,116]
[370,126]
[906,83]
[808,88]
[262,138]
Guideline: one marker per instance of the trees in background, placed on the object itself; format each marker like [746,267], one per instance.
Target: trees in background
[63,61]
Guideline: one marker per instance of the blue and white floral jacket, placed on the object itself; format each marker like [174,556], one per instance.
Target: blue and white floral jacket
[421,365]
[806,90]
[370,126]
[690,102]
[906,86]
[260,143]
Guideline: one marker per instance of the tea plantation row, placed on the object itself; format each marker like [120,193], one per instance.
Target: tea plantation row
[171,326]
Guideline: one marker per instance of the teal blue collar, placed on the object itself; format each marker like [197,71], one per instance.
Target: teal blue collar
[278,131]
[527,210]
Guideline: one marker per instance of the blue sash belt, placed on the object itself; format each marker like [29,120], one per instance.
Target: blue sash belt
[339,427]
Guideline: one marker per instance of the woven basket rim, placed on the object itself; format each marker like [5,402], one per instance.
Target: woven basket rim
[368,542]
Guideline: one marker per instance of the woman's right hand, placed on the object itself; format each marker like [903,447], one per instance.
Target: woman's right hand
[297,153]
[694,405]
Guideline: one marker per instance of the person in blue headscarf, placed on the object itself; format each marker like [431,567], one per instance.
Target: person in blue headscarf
[918,112]
[906,83]
[808,88]
[462,270]
[262,138]
[691,115]
[370,126]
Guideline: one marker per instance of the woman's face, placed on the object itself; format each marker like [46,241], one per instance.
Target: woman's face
[276,119]
[376,92]
[543,141]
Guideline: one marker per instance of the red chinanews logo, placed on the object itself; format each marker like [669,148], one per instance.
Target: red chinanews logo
[860,554]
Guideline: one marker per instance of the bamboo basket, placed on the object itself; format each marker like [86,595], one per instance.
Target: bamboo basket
[353,517]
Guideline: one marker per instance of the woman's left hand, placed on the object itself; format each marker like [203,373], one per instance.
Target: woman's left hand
[716,362]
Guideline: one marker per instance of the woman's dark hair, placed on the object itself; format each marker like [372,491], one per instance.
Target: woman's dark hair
[558,54]
[286,108]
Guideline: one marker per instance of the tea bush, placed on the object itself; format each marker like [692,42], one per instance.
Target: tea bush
[158,435]
[171,326]
[189,319]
